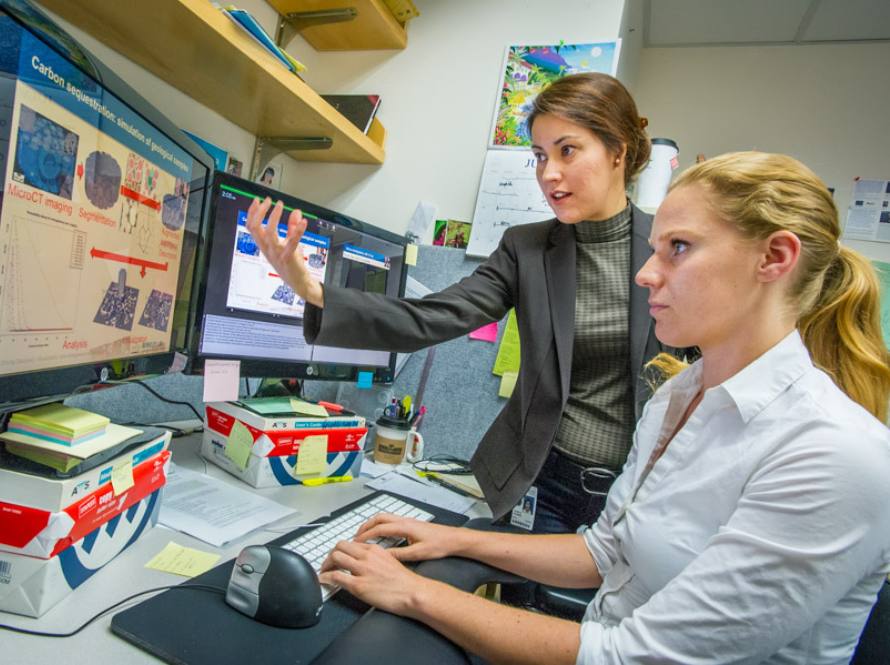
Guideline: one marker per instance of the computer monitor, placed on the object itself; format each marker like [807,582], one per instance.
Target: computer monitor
[100,214]
[246,311]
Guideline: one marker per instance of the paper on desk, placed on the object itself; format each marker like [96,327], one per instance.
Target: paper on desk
[184,561]
[214,511]
[373,469]
[396,483]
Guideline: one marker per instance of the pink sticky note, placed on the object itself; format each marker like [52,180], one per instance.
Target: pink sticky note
[487,333]
[221,380]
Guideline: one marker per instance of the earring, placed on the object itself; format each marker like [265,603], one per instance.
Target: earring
[617,161]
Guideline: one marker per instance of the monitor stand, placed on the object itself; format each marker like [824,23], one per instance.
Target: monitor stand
[286,387]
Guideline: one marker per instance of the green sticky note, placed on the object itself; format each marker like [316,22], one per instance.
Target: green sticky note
[312,456]
[507,359]
[508,383]
[883,270]
[239,444]
[307,409]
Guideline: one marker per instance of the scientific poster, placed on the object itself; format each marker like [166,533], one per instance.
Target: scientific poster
[91,227]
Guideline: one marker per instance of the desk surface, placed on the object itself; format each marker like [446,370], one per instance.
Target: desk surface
[127,574]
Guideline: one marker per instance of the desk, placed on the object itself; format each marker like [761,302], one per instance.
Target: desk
[127,574]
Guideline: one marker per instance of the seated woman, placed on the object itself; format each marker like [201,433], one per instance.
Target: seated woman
[750,523]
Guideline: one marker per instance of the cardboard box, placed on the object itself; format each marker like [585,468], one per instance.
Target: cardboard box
[31,586]
[54,495]
[41,533]
[276,444]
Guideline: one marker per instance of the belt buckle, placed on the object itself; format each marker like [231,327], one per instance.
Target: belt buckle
[591,474]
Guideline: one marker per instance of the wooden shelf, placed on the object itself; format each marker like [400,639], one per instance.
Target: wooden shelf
[374,28]
[196,48]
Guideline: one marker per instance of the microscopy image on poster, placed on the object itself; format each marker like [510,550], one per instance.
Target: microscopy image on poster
[102,180]
[118,306]
[157,310]
[44,154]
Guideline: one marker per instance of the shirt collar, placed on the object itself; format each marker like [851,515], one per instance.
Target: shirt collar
[762,381]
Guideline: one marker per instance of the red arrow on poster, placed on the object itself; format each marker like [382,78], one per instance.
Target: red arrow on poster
[142,263]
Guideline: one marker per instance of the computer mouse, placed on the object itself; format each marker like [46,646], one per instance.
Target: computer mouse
[275,586]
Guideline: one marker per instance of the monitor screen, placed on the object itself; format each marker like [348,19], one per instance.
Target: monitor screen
[249,313]
[99,218]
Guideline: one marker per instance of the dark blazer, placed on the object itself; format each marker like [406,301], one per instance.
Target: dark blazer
[533,270]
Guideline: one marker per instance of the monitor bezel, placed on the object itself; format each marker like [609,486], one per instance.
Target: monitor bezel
[253,367]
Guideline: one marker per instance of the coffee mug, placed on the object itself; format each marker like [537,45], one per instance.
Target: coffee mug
[396,441]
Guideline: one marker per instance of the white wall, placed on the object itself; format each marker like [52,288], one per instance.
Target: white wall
[438,98]
[825,104]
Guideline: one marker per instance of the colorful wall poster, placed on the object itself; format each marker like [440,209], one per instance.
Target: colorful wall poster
[530,69]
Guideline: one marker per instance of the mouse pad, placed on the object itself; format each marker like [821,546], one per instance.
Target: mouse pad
[197,627]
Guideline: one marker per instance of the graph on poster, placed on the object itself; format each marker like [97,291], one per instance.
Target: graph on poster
[45,262]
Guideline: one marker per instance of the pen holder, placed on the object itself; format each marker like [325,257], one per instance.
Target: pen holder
[396,441]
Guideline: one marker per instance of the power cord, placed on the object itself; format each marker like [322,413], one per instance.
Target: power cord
[37,633]
[158,395]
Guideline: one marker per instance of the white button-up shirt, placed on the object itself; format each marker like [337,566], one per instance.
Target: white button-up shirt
[762,535]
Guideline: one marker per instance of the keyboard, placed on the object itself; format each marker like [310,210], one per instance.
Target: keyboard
[315,545]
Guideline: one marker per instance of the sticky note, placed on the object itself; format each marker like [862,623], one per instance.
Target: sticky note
[312,457]
[221,380]
[239,444]
[183,561]
[507,359]
[487,333]
[411,255]
[307,409]
[365,379]
[508,383]
[122,477]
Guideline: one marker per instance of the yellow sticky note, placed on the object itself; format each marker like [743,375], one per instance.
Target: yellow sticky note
[122,477]
[507,359]
[411,255]
[312,457]
[239,444]
[183,561]
[508,383]
[307,409]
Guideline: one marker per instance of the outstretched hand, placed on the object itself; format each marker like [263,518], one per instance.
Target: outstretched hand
[285,256]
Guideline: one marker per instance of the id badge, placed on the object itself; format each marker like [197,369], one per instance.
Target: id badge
[523,514]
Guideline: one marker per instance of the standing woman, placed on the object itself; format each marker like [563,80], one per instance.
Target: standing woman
[584,326]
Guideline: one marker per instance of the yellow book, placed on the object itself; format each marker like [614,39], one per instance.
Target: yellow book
[56,417]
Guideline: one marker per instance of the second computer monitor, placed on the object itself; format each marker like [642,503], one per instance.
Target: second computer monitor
[248,312]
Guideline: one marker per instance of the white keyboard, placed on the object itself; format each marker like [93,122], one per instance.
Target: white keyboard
[315,545]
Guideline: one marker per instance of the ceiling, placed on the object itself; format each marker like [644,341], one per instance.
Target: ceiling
[746,22]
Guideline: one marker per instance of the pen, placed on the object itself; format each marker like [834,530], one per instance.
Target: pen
[330,406]
[314,482]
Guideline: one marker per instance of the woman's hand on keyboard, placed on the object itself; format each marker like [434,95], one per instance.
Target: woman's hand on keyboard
[372,574]
[425,540]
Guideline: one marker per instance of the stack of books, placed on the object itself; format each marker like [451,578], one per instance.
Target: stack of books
[61,437]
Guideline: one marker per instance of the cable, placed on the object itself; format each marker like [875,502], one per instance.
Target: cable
[158,395]
[457,466]
[37,633]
